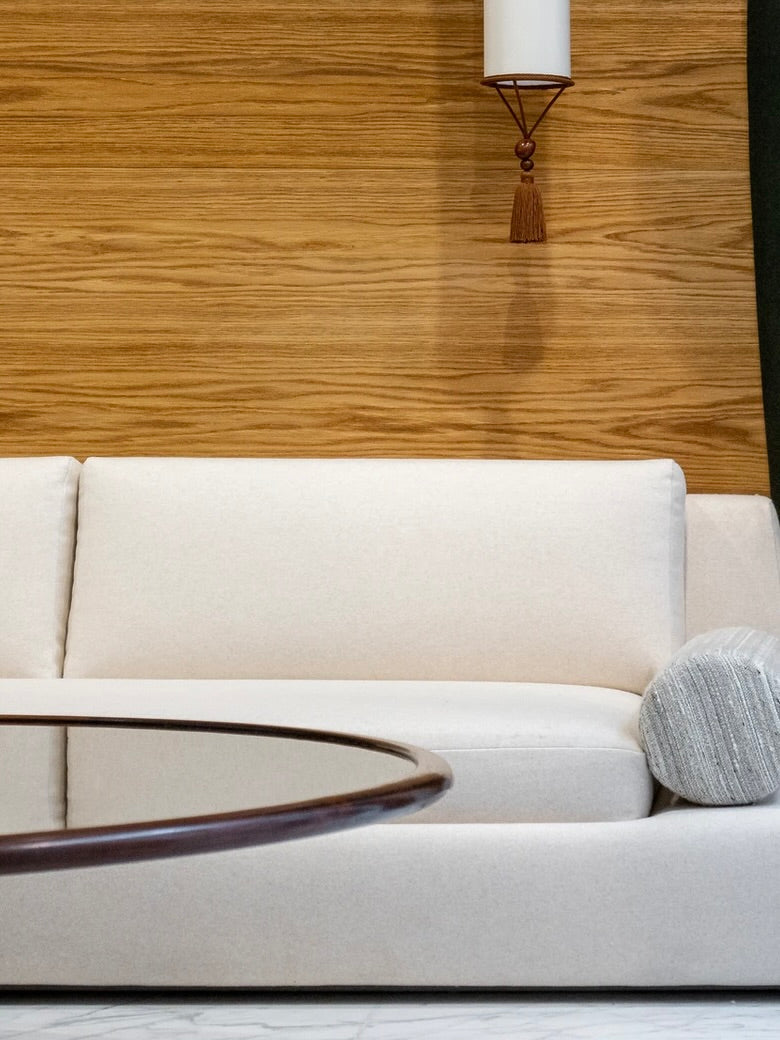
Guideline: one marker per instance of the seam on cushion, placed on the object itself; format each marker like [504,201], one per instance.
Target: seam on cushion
[78,504]
[56,630]
[63,569]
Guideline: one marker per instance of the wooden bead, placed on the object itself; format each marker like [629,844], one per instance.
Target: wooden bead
[525,149]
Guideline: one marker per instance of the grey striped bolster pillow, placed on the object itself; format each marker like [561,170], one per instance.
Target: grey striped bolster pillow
[710,721]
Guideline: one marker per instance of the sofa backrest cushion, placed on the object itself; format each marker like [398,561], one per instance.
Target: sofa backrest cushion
[37,533]
[733,563]
[567,572]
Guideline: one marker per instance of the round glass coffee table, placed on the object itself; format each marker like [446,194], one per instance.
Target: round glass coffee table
[120,789]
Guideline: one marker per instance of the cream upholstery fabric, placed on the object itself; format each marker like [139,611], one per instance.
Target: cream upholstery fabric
[32,777]
[733,563]
[682,899]
[519,751]
[37,531]
[676,899]
[568,572]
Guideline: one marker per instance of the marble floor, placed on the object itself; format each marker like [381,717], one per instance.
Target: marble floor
[742,1015]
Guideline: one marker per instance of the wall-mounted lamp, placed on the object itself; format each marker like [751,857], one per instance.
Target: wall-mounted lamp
[527,49]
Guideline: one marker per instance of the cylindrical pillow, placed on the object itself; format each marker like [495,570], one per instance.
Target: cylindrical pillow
[710,721]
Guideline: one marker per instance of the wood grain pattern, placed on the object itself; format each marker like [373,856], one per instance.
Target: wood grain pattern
[281,228]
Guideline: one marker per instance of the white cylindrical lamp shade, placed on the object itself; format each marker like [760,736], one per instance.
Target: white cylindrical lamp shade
[527,37]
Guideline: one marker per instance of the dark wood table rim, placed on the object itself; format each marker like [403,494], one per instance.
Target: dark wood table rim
[155,839]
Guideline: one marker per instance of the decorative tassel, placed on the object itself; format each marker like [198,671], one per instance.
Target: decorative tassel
[527,213]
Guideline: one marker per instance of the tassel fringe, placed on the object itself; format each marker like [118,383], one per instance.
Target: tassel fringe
[527,213]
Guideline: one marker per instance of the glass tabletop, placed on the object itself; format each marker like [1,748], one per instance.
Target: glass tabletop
[78,791]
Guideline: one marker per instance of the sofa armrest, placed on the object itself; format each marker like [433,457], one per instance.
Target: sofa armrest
[732,563]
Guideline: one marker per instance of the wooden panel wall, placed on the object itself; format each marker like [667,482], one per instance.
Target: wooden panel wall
[280,227]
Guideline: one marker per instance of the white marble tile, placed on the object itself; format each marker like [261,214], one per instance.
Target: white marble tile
[215,1020]
[705,1016]
[579,1018]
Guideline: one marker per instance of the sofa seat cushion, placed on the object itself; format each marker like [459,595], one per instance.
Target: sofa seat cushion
[520,752]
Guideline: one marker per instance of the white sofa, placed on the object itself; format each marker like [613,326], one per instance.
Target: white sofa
[507,614]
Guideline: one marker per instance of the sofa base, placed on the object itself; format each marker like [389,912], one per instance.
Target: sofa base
[677,900]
